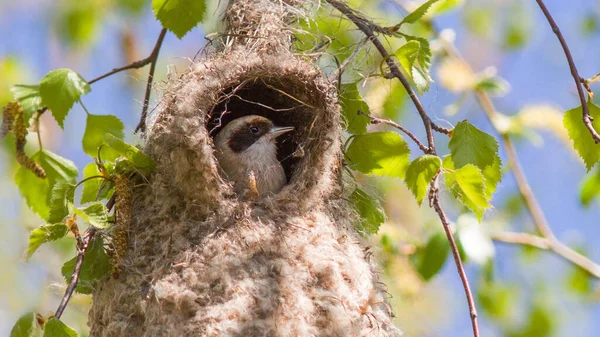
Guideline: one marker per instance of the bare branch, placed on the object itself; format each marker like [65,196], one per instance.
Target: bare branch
[587,119]
[154,57]
[435,201]
[82,247]
[375,120]
[555,246]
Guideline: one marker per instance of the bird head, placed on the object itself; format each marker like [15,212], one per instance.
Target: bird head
[247,132]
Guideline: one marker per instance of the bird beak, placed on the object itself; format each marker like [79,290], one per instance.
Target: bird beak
[277,131]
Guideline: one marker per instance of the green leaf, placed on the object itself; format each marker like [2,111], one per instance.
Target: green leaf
[492,175]
[132,153]
[469,145]
[582,139]
[579,281]
[590,188]
[29,97]
[45,234]
[415,58]
[95,214]
[420,173]
[467,186]
[36,191]
[179,16]
[351,102]
[417,13]
[430,259]
[540,323]
[497,300]
[55,328]
[370,211]
[96,265]
[494,85]
[78,22]
[132,6]
[95,128]
[92,186]
[25,326]
[60,89]
[379,153]
[62,195]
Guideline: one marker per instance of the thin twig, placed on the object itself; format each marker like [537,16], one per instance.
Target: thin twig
[366,27]
[555,246]
[153,58]
[135,65]
[456,254]
[587,119]
[81,251]
[375,120]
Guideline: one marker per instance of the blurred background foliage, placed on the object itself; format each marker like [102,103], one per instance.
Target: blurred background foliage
[511,53]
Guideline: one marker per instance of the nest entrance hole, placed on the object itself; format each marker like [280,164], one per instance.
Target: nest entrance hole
[284,102]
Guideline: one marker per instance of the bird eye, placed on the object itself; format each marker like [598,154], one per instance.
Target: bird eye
[254,129]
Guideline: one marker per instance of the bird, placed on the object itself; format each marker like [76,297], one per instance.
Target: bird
[246,151]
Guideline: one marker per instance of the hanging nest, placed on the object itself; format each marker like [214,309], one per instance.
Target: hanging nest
[201,261]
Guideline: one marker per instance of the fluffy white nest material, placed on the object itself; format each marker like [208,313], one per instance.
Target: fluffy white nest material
[200,262]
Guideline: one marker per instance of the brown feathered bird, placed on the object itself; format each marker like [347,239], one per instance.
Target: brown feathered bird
[246,149]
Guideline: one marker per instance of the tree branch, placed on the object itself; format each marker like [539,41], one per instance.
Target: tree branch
[587,119]
[367,28]
[82,247]
[555,246]
[375,120]
[153,58]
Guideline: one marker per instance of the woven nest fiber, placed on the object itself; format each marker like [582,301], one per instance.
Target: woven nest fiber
[203,262]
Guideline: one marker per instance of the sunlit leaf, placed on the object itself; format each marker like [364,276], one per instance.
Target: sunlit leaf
[91,187]
[60,89]
[45,234]
[370,211]
[25,326]
[468,186]
[96,265]
[55,328]
[351,103]
[37,191]
[419,174]
[29,97]
[590,188]
[95,214]
[62,194]
[132,153]
[95,128]
[417,13]
[582,139]
[379,153]
[470,145]
[179,16]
